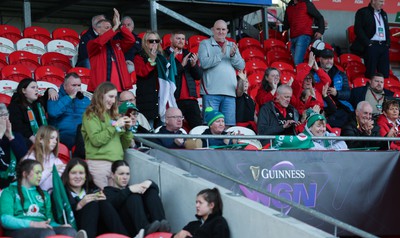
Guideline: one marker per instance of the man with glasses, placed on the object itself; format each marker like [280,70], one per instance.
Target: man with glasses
[106,55]
[128,96]
[173,125]
[219,59]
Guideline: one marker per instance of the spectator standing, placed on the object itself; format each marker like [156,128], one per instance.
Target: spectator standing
[269,84]
[210,222]
[338,91]
[299,17]
[45,150]
[374,93]
[26,209]
[245,105]
[127,21]
[106,55]
[12,147]
[105,135]
[372,38]
[219,59]
[362,125]
[66,112]
[188,71]
[90,34]
[173,124]
[278,117]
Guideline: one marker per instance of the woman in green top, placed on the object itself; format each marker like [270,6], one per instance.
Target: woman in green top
[26,209]
[105,135]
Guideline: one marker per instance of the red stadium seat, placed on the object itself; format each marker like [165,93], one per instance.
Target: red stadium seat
[351,36]
[10,32]
[4,98]
[30,60]
[255,79]
[59,236]
[159,235]
[67,34]
[195,40]
[274,55]
[166,40]
[286,76]
[56,59]
[84,73]
[111,235]
[50,74]
[32,45]
[283,66]
[255,65]
[346,58]
[252,53]
[248,42]
[194,49]
[3,60]
[64,153]
[230,39]
[360,82]
[64,47]
[15,72]
[269,43]
[38,33]
[6,46]
[355,70]
[391,82]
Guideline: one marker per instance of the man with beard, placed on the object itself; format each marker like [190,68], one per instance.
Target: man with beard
[374,93]
[188,71]
[338,91]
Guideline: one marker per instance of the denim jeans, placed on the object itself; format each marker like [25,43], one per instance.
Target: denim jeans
[299,47]
[224,104]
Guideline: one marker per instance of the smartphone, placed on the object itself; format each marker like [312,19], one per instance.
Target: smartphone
[97,190]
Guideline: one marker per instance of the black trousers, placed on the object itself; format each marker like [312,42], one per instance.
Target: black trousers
[376,59]
[191,111]
[100,212]
[40,232]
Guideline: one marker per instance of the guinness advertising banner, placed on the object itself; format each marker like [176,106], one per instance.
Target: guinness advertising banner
[358,188]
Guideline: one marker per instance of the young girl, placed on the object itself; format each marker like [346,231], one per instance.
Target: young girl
[88,202]
[105,135]
[210,223]
[139,205]
[45,150]
[26,209]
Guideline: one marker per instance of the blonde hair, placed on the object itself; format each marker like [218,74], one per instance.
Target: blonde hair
[147,37]
[41,148]
[97,107]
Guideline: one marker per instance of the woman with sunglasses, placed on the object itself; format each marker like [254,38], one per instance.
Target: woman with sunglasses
[148,64]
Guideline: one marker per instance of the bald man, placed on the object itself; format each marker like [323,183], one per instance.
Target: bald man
[173,124]
[219,59]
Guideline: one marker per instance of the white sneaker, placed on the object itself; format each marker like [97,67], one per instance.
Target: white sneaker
[81,234]
[140,234]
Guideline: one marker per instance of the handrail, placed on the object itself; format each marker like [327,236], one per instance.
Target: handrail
[326,218]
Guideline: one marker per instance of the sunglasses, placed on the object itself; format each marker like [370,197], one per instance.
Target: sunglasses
[153,41]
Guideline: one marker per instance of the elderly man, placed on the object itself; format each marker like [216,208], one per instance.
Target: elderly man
[106,55]
[66,112]
[173,124]
[374,93]
[362,125]
[90,34]
[188,71]
[278,117]
[338,91]
[372,38]
[130,54]
[128,96]
[219,58]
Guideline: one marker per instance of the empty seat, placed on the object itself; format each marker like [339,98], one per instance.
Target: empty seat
[63,153]
[360,82]
[84,73]
[8,87]
[255,79]
[277,55]
[30,60]
[253,66]
[350,34]
[195,40]
[286,76]
[56,59]
[282,66]
[166,40]
[248,42]
[159,235]
[252,53]
[391,83]
[38,33]
[50,74]
[31,45]
[66,34]
[65,48]
[198,130]
[6,46]
[15,72]
[269,43]
[44,85]
[3,60]
[10,32]
[346,58]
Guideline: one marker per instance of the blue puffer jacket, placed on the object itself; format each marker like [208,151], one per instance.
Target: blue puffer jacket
[66,114]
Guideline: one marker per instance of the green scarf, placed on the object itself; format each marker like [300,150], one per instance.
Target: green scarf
[10,172]
[292,142]
[32,118]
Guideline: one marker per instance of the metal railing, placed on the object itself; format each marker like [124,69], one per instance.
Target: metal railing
[336,223]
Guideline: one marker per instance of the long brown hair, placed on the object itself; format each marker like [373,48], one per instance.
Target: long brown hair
[97,107]
[70,165]
[41,147]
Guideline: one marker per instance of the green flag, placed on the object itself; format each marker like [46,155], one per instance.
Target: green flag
[62,211]
[292,142]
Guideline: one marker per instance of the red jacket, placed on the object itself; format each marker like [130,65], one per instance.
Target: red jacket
[97,51]
[385,127]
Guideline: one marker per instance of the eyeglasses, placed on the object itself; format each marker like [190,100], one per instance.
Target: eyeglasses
[153,41]
[134,113]
[177,117]
[6,114]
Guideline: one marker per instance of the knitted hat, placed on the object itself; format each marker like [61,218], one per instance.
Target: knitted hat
[326,53]
[125,106]
[312,117]
[211,115]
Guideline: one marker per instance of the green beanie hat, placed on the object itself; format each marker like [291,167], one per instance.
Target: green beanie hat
[211,115]
[313,117]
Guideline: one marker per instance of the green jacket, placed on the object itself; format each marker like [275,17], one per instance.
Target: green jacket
[102,141]
[14,216]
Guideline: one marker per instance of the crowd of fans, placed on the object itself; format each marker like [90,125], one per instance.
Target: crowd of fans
[317,101]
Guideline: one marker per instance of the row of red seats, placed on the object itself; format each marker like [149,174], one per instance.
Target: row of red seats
[40,33]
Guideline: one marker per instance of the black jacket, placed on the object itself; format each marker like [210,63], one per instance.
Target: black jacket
[82,50]
[358,94]
[214,227]
[365,28]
